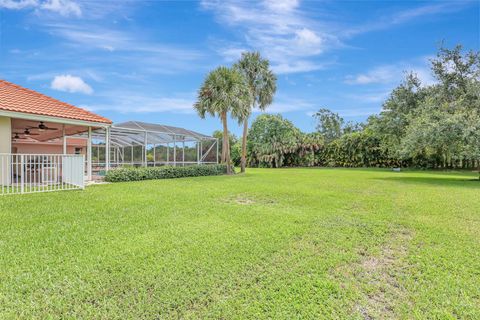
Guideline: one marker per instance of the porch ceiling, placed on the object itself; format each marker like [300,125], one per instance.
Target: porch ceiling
[55,130]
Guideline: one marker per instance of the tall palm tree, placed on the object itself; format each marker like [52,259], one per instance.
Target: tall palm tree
[261,83]
[224,91]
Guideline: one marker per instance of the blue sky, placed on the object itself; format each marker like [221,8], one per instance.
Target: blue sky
[145,60]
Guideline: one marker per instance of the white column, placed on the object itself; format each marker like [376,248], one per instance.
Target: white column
[145,163]
[183,152]
[107,148]
[89,154]
[198,152]
[174,151]
[64,140]
[154,146]
[131,159]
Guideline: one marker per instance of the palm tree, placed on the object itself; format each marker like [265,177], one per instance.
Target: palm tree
[224,91]
[261,83]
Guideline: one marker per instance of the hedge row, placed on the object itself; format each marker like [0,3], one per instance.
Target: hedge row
[167,172]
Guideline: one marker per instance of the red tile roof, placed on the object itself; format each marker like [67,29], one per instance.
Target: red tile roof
[18,99]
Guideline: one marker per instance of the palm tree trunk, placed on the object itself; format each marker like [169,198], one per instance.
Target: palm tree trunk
[222,160]
[226,144]
[244,146]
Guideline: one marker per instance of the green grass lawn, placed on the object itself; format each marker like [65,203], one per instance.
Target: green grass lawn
[278,244]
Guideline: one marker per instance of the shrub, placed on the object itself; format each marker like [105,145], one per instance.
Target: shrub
[167,172]
[275,142]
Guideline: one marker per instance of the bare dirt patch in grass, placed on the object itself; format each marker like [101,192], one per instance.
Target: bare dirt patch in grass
[245,199]
[382,272]
[377,277]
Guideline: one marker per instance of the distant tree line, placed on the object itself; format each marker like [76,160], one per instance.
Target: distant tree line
[427,126]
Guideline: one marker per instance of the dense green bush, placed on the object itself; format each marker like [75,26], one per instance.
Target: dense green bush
[167,172]
[356,149]
[275,142]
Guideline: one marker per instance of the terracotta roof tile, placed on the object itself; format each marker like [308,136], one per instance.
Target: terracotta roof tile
[19,99]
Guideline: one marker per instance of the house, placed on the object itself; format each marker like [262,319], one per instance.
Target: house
[49,145]
[36,152]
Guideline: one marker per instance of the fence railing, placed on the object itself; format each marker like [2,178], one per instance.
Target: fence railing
[29,173]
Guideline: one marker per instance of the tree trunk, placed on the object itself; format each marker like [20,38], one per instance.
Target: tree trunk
[223,119]
[226,143]
[244,146]
[222,159]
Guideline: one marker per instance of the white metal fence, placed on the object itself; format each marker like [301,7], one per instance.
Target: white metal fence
[29,173]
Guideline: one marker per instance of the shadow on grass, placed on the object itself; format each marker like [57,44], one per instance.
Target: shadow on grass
[471,183]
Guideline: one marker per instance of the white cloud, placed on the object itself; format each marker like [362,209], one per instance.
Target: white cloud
[394,73]
[432,9]
[70,83]
[307,37]
[113,40]
[18,4]
[405,16]
[231,54]
[281,5]
[282,105]
[369,97]
[381,74]
[297,66]
[116,50]
[278,29]
[129,102]
[109,40]
[292,39]
[62,7]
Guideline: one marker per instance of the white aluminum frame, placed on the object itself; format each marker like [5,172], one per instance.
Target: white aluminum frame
[149,136]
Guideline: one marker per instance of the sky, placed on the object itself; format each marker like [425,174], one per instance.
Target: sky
[145,60]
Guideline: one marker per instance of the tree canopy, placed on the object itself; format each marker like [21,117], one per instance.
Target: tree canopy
[434,125]
[421,125]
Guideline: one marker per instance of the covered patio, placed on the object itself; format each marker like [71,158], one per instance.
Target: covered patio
[38,148]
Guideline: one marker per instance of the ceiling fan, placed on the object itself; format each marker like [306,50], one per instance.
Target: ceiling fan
[28,133]
[17,136]
[42,127]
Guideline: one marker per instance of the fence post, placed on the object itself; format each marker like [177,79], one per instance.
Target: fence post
[22,175]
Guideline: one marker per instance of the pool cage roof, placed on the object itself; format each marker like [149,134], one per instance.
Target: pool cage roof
[140,133]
